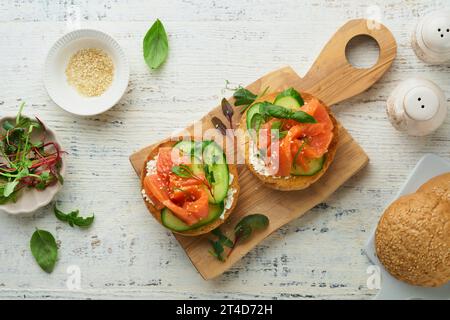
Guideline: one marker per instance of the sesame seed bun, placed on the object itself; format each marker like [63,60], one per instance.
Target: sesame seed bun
[439,185]
[291,182]
[203,229]
[412,239]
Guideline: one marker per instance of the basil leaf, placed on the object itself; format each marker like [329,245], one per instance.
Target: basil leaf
[9,188]
[303,117]
[83,222]
[72,218]
[60,215]
[243,96]
[44,249]
[276,111]
[155,45]
[285,113]
[249,224]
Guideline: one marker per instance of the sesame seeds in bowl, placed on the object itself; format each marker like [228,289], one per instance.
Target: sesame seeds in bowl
[86,72]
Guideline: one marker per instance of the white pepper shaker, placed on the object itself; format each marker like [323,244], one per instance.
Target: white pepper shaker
[431,38]
[417,106]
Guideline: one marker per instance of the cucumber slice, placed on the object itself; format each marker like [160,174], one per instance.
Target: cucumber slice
[289,98]
[193,148]
[254,109]
[216,164]
[185,146]
[315,165]
[172,222]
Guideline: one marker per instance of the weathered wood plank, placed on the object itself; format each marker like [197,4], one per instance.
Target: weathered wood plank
[126,254]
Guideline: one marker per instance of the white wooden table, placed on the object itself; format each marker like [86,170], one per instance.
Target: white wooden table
[125,254]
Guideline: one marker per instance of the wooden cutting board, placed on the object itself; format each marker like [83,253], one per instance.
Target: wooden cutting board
[332,79]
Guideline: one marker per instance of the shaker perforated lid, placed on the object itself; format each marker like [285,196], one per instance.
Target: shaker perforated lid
[431,38]
[417,106]
[436,31]
[421,103]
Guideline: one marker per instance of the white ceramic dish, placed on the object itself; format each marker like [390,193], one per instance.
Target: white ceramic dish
[29,200]
[66,96]
[428,167]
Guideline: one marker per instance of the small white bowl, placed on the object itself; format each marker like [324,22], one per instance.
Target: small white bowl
[65,95]
[31,199]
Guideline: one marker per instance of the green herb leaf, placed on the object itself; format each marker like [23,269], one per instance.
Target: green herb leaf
[7,125]
[282,134]
[182,171]
[276,111]
[248,225]
[209,174]
[19,114]
[257,121]
[27,163]
[285,113]
[3,199]
[217,250]
[223,239]
[298,152]
[243,96]
[73,218]
[9,188]
[44,249]
[243,230]
[303,117]
[276,125]
[155,45]
[60,178]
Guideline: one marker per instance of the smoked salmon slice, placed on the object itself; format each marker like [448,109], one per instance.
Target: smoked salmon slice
[187,198]
[305,140]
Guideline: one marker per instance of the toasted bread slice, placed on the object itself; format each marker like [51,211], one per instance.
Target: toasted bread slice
[292,182]
[203,229]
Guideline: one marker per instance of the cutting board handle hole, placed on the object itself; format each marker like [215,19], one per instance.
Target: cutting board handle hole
[362,51]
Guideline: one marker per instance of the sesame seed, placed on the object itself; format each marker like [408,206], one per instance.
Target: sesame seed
[90,71]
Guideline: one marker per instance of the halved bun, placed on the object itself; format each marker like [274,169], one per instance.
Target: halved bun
[203,229]
[292,182]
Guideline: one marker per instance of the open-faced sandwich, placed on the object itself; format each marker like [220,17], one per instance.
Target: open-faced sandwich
[290,139]
[188,185]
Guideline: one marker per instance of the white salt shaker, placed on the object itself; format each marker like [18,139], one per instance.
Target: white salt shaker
[417,106]
[431,38]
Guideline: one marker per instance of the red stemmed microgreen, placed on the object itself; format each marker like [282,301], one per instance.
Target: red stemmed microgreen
[242,232]
[26,158]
